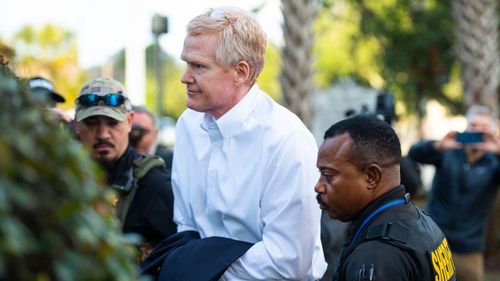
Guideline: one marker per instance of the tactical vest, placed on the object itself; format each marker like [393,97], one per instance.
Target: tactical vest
[141,166]
[421,238]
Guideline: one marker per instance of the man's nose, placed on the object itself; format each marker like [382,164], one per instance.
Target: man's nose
[319,187]
[103,131]
[187,77]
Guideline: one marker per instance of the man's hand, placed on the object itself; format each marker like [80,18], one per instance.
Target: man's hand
[491,143]
[448,142]
[59,115]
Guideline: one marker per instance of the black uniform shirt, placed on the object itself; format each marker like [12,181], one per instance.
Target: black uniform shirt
[376,259]
[151,211]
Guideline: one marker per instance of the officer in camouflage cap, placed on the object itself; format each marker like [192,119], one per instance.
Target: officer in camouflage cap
[103,120]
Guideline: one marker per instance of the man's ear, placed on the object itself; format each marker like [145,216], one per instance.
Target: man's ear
[130,118]
[242,72]
[373,175]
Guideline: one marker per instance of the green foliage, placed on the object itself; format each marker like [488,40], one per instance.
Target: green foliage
[50,51]
[339,54]
[174,92]
[6,52]
[268,79]
[56,220]
[417,40]
[408,46]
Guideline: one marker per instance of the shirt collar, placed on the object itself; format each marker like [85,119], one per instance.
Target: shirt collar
[396,193]
[121,165]
[236,116]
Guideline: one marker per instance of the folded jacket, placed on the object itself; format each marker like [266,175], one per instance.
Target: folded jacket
[185,257]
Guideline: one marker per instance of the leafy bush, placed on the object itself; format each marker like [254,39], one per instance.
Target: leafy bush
[56,219]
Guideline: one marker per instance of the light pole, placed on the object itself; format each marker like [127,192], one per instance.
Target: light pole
[159,26]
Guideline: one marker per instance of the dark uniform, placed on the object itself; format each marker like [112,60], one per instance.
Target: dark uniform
[151,210]
[393,239]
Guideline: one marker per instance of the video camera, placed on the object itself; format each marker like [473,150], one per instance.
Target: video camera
[384,108]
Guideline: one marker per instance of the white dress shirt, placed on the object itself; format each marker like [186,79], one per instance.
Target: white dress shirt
[251,179]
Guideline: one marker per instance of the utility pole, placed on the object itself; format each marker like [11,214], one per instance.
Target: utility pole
[159,26]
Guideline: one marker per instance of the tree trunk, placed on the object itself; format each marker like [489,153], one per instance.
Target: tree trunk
[297,76]
[476,28]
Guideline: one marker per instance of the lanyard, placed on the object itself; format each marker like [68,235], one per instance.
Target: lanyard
[380,209]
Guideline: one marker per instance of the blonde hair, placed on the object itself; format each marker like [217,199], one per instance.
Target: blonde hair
[240,37]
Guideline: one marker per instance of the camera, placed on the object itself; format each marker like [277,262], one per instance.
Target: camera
[385,107]
[469,137]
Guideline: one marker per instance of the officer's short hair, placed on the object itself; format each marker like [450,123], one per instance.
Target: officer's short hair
[374,141]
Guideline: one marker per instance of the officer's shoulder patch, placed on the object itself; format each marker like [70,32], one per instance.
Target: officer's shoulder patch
[442,262]
[366,272]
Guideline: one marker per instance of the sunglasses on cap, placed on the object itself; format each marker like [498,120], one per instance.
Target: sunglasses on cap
[94,99]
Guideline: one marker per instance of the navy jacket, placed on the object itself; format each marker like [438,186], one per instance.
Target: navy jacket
[462,195]
[185,257]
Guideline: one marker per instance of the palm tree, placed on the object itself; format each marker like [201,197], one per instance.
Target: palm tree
[297,71]
[476,28]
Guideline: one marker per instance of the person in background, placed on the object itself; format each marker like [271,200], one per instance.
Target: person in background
[389,237]
[244,165]
[103,120]
[144,135]
[38,84]
[45,89]
[464,187]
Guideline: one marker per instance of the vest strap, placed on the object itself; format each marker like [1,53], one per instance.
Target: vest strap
[388,231]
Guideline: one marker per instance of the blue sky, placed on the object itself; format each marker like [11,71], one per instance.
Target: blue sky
[102,27]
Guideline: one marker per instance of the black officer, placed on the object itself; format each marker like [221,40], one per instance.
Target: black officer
[389,237]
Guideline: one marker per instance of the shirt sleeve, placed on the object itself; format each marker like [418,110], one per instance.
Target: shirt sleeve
[381,261]
[291,217]
[181,215]
[424,152]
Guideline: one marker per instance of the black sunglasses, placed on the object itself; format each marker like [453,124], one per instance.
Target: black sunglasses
[108,99]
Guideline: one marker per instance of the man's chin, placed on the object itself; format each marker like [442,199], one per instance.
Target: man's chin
[194,105]
[335,216]
[105,160]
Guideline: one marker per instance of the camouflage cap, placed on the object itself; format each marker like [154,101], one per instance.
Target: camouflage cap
[101,87]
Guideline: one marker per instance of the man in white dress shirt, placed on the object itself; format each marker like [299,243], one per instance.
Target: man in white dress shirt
[244,166]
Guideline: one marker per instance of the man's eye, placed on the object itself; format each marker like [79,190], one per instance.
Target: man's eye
[89,122]
[328,177]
